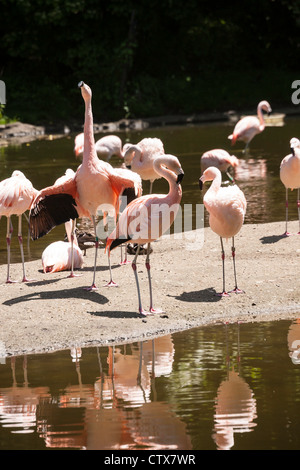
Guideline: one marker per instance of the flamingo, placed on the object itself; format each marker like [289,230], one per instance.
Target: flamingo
[62,256]
[106,147]
[227,208]
[140,158]
[247,127]
[95,186]
[220,159]
[16,197]
[290,176]
[146,218]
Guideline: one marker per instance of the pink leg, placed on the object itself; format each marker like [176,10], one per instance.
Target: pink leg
[93,286]
[72,274]
[286,233]
[152,309]
[25,279]
[298,206]
[8,242]
[111,283]
[133,264]
[223,293]
[236,290]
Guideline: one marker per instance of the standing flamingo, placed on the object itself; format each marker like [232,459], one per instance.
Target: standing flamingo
[146,218]
[96,186]
[62,256]
[247,127]
[220,159]
[140,158]
[16,197]
[290,176]
[227,208]
[106,147]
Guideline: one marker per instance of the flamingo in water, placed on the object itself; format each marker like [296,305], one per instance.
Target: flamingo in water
[290,176]
[106,147]
[16,197]
[227,208]
[95,186]
[220,159]
[146,218]
[247,127]
[140,157]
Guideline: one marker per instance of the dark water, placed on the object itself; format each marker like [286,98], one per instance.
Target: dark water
[44,161]
[219,387]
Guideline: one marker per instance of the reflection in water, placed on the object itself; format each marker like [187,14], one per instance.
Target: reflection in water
[235,407]
[294,342]
[193,390]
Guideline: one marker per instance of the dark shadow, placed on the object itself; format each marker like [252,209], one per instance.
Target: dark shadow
[272,239]
[75,293]
[114,314]
[204,295]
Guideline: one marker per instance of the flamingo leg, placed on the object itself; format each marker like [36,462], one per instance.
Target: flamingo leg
[223,293]
[93,286]
[20,238]
[133,264]
[236,289]
[152,309]
[286,233]
[111,283]
[72,274]
[8,243]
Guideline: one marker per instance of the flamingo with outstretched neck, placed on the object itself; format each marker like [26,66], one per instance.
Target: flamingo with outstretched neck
[95,187]
[16,197]
[290,177]
[249,126]
[227,209]
[146,218]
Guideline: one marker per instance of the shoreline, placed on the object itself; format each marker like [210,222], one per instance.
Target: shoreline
[55,313]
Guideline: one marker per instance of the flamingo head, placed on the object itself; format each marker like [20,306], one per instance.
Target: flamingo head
[294,143]
[265,106]
[210,174]
[85,90]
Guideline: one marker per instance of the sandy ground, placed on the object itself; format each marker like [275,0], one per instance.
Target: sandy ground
[54,312]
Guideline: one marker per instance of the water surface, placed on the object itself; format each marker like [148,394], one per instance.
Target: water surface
[218,387]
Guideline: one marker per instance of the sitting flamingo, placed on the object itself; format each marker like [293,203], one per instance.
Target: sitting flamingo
[227,208]
[247,127]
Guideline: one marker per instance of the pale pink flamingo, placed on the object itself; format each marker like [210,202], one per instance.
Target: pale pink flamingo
[290,176]
[247,127]
[227,208]
[146,218]
[95,187]
[63,256]
[106,147]
[140,158]
[16,197]
[220,159]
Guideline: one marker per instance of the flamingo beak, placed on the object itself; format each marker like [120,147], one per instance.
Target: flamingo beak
[80,84]
[180,177]
[200,184]
[269,112]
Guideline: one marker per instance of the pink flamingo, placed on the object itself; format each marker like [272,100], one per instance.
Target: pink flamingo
[247,127]
[140,158]
[227,208]
[146,218]
[95,186]
[290,176]
[62,256]
[106,147]
[220,159]
[16,197]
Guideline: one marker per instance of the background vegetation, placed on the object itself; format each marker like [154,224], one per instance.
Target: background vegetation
[146,58]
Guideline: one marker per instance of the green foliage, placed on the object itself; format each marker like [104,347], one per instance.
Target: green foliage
[173,57]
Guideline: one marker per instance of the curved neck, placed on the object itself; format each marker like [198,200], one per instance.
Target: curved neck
[216,183]
[169,175]
[260,115]
[89,150]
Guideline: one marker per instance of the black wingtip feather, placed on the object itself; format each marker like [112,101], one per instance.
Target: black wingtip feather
[49,212]
[118,242]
